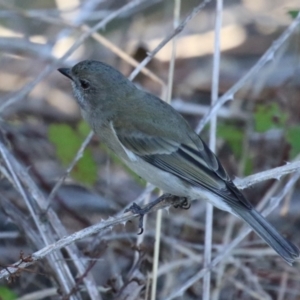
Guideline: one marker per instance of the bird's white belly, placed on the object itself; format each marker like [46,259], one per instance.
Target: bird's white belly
[174,185]
[163,180]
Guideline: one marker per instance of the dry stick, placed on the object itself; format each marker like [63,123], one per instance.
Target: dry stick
[251,252]
[57,226]
[64,275]
[181,26]
[242,286]
[275,173]
[286,204]
[119,52]
[158,222]
[226,239]
[212,145]
[253,278]
[283,285]
[25,90]
[21,220]
[67,240]
[176,18]
[226,251]
[42,294]
[199,109]
[156,254]
[268,56]
[246,289]
[96,36]
[168,268]
[122,219]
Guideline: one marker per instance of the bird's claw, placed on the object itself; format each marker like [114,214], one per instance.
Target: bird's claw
[137,210]
[184,204]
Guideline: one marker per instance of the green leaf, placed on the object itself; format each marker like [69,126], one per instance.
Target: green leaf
[293,13]
[67,142]
[7,294]
[293,138]
[267,117]
[83,128]
[233,136]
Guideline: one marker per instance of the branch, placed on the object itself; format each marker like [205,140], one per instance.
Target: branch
[67,240]
[228,249]
[178,29]
[122,219]
[268,56]
[47,71]
[275,173]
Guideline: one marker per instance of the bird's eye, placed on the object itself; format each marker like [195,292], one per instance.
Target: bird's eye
[84,84]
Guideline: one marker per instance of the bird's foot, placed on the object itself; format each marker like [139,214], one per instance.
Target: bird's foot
[185,203]
[181,202]
[137,210]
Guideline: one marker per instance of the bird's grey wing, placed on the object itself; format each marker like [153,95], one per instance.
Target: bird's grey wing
[194,164]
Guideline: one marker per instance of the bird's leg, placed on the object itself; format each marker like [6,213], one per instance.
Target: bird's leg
[181,202]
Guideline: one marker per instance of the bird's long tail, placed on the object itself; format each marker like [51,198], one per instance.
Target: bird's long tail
[287,250]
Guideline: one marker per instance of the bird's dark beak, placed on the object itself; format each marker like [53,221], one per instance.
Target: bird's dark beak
[66,72]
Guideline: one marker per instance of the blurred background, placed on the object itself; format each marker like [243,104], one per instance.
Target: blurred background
[42,128]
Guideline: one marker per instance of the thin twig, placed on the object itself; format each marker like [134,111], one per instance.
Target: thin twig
[179,28]
[59,265]
[268,56]
[228,249]
[67,240]
[77,157]
[176,18]
[275,173]
[122,219]
[283,285]
[40,50]
[246,289]
[156,254]
[212,145]
[26,89]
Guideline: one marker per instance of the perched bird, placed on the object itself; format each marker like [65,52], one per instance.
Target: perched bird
[157,143]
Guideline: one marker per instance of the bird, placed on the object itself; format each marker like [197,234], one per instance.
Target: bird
[159,145]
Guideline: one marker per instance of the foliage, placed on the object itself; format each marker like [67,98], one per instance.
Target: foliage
[293,13]
[7,294]
[271,116]
[267,117]
[67,142]
[233,135]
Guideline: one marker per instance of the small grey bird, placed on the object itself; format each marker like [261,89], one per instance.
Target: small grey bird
[156,142]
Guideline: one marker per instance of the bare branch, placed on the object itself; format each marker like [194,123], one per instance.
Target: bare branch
[179,28]
[268,56]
